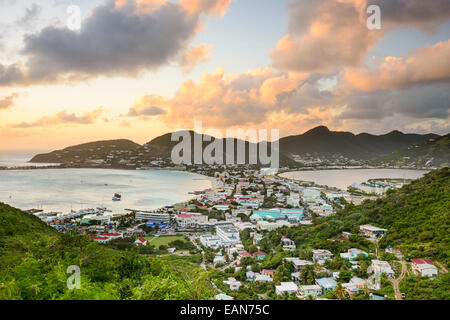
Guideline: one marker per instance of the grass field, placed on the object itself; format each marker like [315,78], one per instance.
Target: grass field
[163,240]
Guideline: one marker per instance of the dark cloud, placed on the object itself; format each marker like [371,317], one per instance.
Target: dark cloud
[419,102]
[112,41]
[423,14]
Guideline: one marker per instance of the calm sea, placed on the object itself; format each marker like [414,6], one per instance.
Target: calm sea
[19,158]
[65,189]
[343,178]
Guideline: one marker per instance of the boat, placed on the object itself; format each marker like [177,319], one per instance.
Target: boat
[117,197]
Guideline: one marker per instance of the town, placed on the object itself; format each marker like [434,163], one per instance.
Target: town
[232,223]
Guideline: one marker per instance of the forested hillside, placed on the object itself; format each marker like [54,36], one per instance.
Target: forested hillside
[34,259]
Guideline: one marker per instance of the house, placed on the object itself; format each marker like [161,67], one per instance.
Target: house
[219,260]
[326,283]
[233,283]
[286,287]
[353,254]
[370,231]
[268,272]
[288,244]
[380,267]
[171,250]
[259,255]
[320,255]
[350,288]
[423,268]
[298,263]
[360,283]
[310,291]
[141,242]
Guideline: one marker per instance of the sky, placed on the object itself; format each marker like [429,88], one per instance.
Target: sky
[140,69]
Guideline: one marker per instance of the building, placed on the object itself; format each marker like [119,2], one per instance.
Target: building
[288,244]
[233,283]
[223,296]
[152,216]
[278,214]
[286,287]
[370,231]
[320,255]
[259,255]
[190,220]
[211,241]
[310,291]
[100,239]
[326,284]
[379,267]
[219,260]
[266,225]
[423,268]
[298,263]
[228,234]
[141,242]
[353,254]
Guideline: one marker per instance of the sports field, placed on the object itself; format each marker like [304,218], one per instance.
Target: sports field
[163,240]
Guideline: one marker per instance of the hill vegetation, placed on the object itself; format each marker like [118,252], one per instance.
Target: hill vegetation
[34,259]
[433,153]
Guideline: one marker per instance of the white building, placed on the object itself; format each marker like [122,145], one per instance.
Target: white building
[228,234]
[373,232]
[299,264]
[211,241]
[320,255]
[310,290]
[286,287]
[233,283]
[152,216]
[190,220]
[380,267]
[288,244]
[423,268]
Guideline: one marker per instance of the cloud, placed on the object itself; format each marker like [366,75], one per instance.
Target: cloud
[419,102]
[62,117]
[8,101]
[425,65]
[119,38]
[232,100]
[145,106]
[194,56]
[424,15]
[212,7]
[30,16]
[324,35]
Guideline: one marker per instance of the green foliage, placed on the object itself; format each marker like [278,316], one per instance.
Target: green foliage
[34,259]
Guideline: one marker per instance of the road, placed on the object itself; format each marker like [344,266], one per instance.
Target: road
[396,282]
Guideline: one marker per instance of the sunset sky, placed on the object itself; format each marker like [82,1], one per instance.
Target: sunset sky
[139,69]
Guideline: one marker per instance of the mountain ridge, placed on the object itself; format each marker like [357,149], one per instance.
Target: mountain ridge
[316,142]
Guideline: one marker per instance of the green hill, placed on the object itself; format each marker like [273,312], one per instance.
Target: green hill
[99,150]
[433,153]
[34,259]
[417,217]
